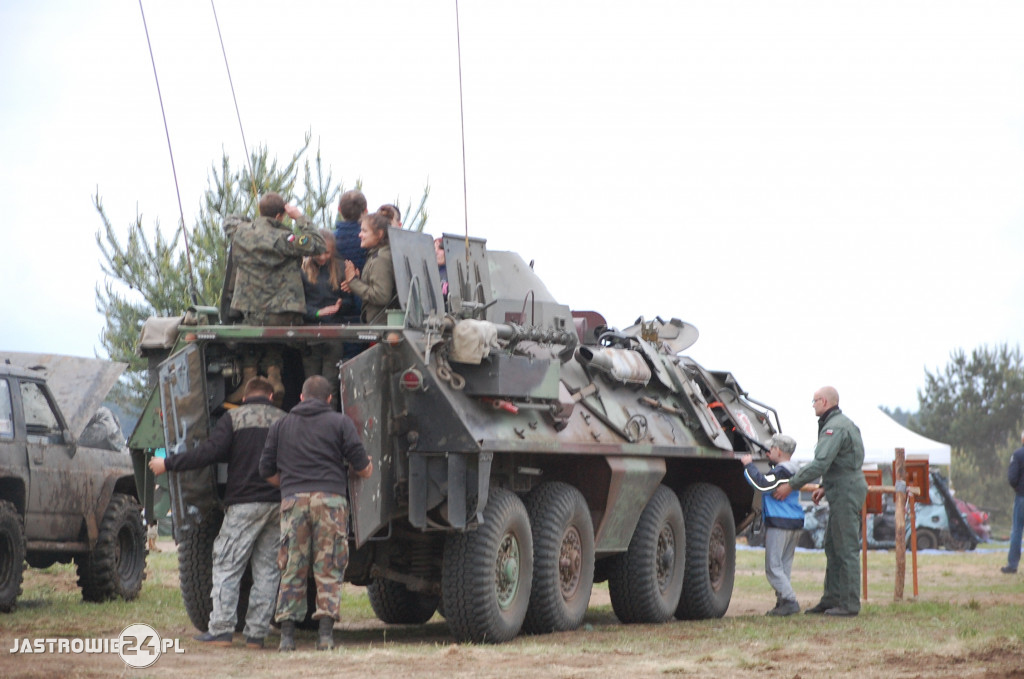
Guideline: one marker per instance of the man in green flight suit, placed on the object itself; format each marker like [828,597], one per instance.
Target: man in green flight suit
[838,458]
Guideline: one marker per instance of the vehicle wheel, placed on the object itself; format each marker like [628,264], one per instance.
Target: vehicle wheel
[927,539]
[116,566]
[563,558]
[710,553]
[195,568]
[646,580]
[487,573]
[396,604]
[12,555]
[195,574]
[244,589]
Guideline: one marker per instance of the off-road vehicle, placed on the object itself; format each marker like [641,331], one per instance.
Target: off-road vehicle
[521,451]
[67,488]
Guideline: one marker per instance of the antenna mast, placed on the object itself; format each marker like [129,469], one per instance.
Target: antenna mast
[462,124]
[181,213]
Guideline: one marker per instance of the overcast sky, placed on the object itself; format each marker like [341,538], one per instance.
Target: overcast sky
[831,192]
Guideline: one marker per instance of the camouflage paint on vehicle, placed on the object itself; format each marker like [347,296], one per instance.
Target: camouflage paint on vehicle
[500,387]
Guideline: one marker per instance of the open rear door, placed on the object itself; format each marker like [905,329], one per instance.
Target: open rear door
[186,424]
[364,393]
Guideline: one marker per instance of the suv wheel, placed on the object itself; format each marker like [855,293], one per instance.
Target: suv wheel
[116,566]
[12,555]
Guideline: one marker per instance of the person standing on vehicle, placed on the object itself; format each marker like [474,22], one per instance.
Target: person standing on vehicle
[1015,475]
[326,304]
[268,282]
[783,520]
[375,285]
[267,256]
[838,458]
[306,454]
[351,209]
[251,531]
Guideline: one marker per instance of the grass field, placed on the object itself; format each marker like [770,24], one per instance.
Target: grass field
[968,621]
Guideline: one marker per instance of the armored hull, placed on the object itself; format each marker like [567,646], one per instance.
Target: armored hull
[522,451]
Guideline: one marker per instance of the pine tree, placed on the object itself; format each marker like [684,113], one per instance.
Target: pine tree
[152,274]
[976,405]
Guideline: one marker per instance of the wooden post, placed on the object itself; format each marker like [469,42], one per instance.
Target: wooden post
[901,523]
[913,540]
[864,550]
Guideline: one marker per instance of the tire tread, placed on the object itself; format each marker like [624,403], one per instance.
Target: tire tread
[99,572]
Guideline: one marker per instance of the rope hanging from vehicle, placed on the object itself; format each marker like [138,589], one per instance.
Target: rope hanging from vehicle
[181,213]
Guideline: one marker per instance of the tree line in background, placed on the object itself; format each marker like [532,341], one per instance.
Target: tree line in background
[976,405]
[148,273]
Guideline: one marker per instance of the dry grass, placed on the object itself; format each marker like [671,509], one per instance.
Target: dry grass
[967,622]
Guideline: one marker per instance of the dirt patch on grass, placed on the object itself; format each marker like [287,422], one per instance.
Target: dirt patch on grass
[870,645]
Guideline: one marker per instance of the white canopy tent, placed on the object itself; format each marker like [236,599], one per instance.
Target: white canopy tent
[882,436]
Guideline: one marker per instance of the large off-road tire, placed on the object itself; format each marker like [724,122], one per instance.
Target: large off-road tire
[396,604]
[116,566]
[487,573]
[710,552]
[12,555]
[195,569]
[646,580]
[563,558]
[927,539]
[195,577]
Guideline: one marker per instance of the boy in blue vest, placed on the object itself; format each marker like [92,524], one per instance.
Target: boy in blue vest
[783,520]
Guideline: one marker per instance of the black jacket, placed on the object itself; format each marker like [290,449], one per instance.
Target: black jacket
[1015,474]
[310,447]
[238,439]
[319,295]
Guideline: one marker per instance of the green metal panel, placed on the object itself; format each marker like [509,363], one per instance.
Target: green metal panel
[186,424]
[365,396]
[149,430]
[633,482]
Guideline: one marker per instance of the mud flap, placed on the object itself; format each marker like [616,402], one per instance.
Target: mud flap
[456,477]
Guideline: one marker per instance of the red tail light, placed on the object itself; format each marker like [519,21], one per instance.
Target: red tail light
[412,380]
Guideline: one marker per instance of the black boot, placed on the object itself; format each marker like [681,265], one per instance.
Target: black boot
[287,636]
[325,640]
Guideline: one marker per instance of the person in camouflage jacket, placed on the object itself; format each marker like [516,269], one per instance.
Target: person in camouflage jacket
[266,256]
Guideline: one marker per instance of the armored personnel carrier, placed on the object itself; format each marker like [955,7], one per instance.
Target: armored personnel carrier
[522,451]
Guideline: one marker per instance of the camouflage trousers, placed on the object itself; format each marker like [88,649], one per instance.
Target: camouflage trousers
[314,536]
[250,534]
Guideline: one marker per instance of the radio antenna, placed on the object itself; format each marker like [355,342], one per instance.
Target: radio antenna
[238,114]
[181,213]
[462,126]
